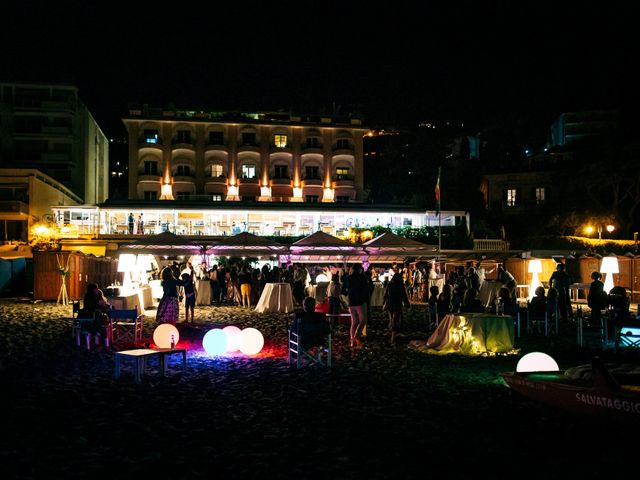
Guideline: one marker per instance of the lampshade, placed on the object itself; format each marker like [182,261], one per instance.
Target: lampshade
[143,263]
[126,262]
[609,264]
[535,266]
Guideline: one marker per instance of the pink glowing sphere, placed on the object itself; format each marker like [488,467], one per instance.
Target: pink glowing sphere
[251,341]
[163,333]
[233,338]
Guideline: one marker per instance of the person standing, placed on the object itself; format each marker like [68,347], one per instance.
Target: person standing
[356,289]
[597,299]
[395,296]
[189,296]
[507,280]
[131,222]
[140,225]
[169,307]
[561,280]
[244,279]
[334,294]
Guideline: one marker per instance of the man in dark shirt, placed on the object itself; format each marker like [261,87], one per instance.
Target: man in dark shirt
[560,280]
[357,290]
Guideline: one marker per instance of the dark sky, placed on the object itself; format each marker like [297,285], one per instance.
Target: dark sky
[395,62]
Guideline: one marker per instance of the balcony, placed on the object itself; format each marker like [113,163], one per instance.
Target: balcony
[216,147]
[149,177]
[312,182]
[221,180]
[490,245]
[10,209]
[249,181]
[343,150]
[184,178]
[343,181]
[281,181]
[286,148]
[182,145]
[48,130]
[248,147]
[149,143]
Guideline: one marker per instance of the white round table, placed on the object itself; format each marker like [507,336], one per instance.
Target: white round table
[276,297]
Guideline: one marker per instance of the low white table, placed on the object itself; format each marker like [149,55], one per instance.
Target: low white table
[141,355]
[276,297]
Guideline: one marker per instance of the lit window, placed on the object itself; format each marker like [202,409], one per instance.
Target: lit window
[511,197]
[216,170]
[540,195]
[280,141]
[151,136]
[216,197]
[248,171]
[342,173]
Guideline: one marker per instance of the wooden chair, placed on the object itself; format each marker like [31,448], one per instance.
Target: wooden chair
[125,327]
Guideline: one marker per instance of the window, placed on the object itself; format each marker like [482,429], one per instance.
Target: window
[216,197]
[183,136]
[280,141]
[183,195]
[312,198]
[511,197]
[151,168]
[342,173]
[312,173]
[150,195]
[342,199]
[540,195]
[183,171]
[151,136]
[248,171]
[216,138]
[249,199]
[343,143]
[216,170]
[280,171]
[248,138]
[313,142]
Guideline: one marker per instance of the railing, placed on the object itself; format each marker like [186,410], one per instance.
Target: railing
[491,244]
[14,206]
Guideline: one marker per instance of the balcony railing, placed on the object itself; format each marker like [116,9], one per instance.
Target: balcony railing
[249,180]
[221,179]
[490,244]
[343,177]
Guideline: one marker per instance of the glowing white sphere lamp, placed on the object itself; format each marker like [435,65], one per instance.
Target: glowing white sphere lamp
[215,342]
[164,333]
[535,267]
[609,266]
[251,341]
[537,362]
[233,338]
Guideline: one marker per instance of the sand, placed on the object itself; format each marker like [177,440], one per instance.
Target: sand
[380,412]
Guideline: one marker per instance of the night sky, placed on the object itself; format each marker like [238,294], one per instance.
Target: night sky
[399,62]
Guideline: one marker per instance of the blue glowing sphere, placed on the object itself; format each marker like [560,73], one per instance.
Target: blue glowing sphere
[215,342]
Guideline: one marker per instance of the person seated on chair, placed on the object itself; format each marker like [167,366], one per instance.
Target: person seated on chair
[470,302]
[597,299]
[552,301]
[311,325]
[538,304]
[96,304]
[619,303]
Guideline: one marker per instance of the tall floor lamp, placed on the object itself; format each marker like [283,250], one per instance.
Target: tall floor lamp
[609,266]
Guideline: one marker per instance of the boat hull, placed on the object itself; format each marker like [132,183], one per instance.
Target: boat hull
[574,397]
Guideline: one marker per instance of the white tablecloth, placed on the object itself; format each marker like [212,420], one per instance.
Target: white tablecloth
[319,291]
[276,297]
[377,297]
[489,291]
[203,294]
[126,302]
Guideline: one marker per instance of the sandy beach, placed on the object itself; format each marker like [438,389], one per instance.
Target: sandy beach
[380,412]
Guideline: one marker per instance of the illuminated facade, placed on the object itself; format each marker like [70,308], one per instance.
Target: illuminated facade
[198,156]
